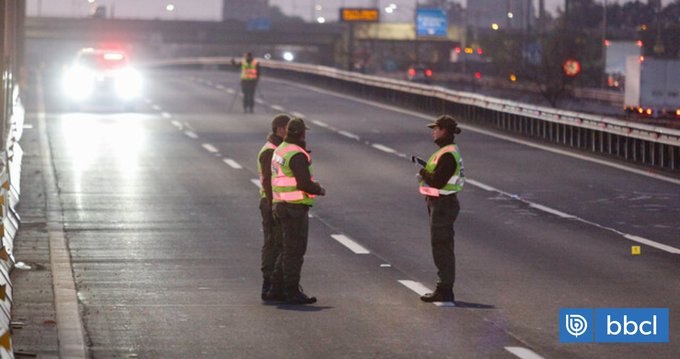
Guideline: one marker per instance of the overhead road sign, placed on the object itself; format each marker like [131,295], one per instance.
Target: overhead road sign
[431,22]
[352,14]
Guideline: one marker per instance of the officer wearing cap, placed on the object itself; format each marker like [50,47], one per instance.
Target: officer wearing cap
[271,249]
[293,192]
[440,180]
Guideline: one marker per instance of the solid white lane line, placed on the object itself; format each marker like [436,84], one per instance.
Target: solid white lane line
[529,144]
[319,123]
[191,134]
[349,135]
[650,243]
[299,115]
[165,115]
[256,181]
[210,148]
[564,215]
[233,164]
[383,148]
[523,353]
[352,245]
[550,210]
[278,108]
[480,185]
[503,137]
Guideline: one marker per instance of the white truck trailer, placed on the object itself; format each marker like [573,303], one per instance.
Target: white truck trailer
[652,87]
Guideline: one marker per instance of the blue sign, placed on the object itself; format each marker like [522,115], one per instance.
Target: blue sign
[576,325]
[614,325]
[259,24]
[431,22]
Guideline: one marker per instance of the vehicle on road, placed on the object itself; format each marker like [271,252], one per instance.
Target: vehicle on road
[102,75]
[419,73]
[652,87]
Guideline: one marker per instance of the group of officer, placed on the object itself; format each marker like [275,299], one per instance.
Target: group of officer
[288,190]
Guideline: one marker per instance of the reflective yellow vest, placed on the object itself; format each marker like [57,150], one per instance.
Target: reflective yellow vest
[284,184]
[455,183]
[249,70]
[267,146]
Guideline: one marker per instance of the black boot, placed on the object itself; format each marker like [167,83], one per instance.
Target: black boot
[441,294]
[275,294]
[266,285]
[296,296]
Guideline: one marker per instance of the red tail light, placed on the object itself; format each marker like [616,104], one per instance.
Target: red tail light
[478,75]
[428,73]
[411,72]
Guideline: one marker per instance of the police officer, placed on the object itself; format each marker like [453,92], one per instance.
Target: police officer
[293,191]
[440,180]
[271,249]
[250,74]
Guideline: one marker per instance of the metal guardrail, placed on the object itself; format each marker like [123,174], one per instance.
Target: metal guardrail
[652,146]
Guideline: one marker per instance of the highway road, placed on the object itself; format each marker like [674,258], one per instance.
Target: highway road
[161,221]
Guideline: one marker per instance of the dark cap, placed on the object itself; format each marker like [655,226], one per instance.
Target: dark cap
[296,126]
[446,122]
[280,120]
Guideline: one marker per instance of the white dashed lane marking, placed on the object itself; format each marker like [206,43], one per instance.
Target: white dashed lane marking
[383,148]
[319,123]
[256,182]
[421,290]
[210,148]
[523,353]
[299,115]
[165,115]
[233,164]
[278,108]
[352,245]
[349,135]
[191,134]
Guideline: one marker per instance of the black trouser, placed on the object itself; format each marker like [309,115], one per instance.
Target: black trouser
[271,248]
[248,89]
[294,227]
[443,211]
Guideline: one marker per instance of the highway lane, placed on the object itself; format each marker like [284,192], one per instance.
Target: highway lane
[165,236]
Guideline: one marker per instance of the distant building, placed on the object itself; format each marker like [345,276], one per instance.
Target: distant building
[655,4]
[245,10]
[513,14]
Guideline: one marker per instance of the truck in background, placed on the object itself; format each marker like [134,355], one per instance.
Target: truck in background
[652,87]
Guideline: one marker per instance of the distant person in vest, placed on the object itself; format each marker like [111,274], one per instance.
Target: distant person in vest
[271,249]
[293,192]
[250,74]
[440,180]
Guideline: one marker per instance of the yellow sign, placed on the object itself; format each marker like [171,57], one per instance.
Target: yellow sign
[359,14]
[635,250]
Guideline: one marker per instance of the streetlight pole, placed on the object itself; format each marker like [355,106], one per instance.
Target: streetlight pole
[604,44]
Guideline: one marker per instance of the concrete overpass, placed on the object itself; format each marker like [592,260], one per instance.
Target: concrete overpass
[51,40]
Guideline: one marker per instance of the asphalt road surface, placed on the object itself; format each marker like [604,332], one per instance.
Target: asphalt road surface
[160,213]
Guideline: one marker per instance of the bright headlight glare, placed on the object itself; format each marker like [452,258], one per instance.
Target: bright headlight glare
[128,83]
[78,83]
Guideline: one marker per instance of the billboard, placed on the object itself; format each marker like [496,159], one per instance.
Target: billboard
[431,22]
